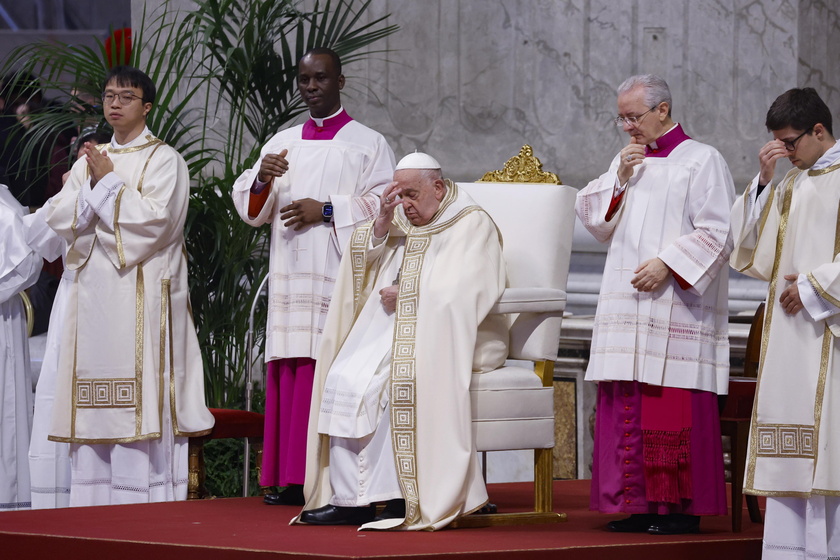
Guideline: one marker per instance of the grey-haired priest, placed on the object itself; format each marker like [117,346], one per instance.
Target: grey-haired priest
[660,348]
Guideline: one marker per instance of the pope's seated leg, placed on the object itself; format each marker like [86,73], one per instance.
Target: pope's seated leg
[362,473]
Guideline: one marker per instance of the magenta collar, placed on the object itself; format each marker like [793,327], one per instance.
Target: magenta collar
[311,130]
[666,143]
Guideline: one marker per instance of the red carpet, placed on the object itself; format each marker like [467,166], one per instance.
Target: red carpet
[244,528]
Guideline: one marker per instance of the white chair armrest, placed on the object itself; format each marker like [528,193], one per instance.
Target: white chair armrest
[530,300]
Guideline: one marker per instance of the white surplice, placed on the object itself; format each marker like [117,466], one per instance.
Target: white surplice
[130,369]
[350,171]
[451,273]
[49,461]
[19,269]
[794,456]
[675,208]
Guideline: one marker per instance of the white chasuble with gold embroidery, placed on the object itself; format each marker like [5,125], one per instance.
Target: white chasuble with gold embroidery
[675,208]
[350,171]
[451,274]
[794,449]
[128,349]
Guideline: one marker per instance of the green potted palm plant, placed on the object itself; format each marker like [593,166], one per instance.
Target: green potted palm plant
[226,79]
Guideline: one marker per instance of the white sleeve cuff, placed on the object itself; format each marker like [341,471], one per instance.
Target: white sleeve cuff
[377,241]
[618,189]
[815,305]
[755,203]
[84,211]
[103,197]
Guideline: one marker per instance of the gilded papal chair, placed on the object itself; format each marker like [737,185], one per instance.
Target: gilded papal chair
[513,407]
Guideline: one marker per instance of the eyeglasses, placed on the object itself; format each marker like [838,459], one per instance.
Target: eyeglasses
[790,145]
[125,98]
[632,121]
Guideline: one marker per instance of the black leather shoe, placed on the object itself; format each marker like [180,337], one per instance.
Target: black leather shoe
[291,496]
[338,515]
[394,509]
[636,523]
[675,524]
[486,509]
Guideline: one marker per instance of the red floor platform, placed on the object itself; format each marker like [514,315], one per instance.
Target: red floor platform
[244,528]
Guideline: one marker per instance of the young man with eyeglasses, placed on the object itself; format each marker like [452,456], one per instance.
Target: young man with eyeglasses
[130,382]
[787,234]
[660,349]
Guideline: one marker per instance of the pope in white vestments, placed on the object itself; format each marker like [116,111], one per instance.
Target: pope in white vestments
[391,414]
[787,234]
[19,269]
[130,384]
[660,348]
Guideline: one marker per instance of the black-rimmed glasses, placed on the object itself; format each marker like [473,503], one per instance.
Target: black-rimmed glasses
[790,145]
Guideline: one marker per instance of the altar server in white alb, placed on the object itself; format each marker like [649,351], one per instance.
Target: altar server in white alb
[314,183]
[19,269]
[660,349]
[391,416]
[130,385]
[786,232]
[49,461]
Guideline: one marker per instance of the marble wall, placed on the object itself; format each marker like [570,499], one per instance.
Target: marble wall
[470,81]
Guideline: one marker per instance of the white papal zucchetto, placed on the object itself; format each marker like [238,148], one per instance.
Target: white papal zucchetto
[417,160]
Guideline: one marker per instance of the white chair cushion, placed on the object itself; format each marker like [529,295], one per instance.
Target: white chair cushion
[511,410]
[530,300]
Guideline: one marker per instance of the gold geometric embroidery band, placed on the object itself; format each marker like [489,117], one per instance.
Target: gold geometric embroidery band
[106,393]
[785,441]
[403,375]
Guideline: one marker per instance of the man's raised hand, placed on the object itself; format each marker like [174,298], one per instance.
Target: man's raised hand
[273,165]
[388,202]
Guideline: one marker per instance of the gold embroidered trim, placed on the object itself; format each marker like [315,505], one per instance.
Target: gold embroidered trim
[155,435]
[151,141]
[819,289]
[73,225]
[117,232]
[139,306]
[786,441]
[448,198]
[749,479]
[105,393]
[358,255]
[75,379]
[785,494]
[762,221]
[818,172]
[828,342]
[404,375]
[164,296]
[172,395]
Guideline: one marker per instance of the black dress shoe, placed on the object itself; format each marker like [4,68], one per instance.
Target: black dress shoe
[486,509]
[394,509]
[675,524]
[291,496]
[339,515]
[636,523]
